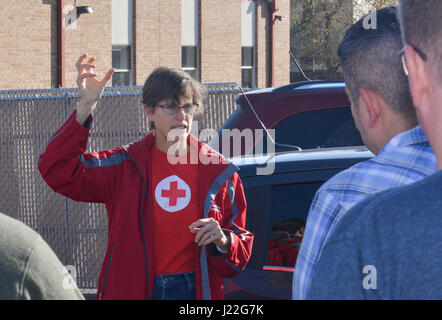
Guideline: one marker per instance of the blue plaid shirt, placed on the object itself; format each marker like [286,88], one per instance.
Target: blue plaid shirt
[406,158]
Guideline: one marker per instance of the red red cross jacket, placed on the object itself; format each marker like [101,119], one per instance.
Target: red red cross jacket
[120,179]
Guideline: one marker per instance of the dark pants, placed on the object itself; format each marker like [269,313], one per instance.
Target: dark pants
[175,286]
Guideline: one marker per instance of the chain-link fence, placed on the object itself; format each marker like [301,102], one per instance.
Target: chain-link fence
[76,231]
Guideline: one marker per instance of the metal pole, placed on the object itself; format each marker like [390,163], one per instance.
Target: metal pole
[61,52]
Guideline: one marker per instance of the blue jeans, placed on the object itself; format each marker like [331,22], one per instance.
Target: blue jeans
[175,286]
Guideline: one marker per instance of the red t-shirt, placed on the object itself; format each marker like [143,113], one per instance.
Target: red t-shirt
[175,208]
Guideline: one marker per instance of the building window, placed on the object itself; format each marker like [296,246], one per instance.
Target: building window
[189,58]
[247,67]
[121,62]
[189,37]
[248,44]
[122,19]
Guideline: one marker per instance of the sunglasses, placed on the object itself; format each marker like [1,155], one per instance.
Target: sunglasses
[401,54]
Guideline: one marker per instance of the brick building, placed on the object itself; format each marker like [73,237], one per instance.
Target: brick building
[240,41]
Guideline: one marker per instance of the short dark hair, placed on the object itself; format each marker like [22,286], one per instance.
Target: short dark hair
[370,60]
[420,23]
[172,84]
[291,225]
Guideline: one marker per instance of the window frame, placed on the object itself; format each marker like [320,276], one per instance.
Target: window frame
[193,71]
[130,63]
[259,222]
[248,67]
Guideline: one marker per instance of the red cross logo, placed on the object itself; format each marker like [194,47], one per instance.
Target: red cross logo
[173,193]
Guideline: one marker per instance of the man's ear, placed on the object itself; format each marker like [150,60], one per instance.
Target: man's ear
[370,106]
[417,75]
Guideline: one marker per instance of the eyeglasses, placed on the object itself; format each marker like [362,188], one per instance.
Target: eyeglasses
[171,109]
[401,54]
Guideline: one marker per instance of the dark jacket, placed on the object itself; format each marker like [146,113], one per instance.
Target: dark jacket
[29,269]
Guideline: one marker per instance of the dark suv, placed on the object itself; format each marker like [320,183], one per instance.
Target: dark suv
[274,203]
[311,114]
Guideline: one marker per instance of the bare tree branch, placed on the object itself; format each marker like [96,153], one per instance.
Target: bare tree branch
[317,28]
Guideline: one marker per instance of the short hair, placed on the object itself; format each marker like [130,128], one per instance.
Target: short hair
[290,225]
[420,23]
[172,84]
[370,60]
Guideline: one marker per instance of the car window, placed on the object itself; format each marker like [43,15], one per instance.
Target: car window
[289,207]
[317,129]
[274,215]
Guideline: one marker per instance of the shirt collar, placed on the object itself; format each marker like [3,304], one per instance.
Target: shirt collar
[410,137]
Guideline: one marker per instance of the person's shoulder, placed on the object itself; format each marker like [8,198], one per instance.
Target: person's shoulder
[14,233]
[395,198]
[140,150]
[16,244]
[391,206]
[409,150]
[29,268]
[212,160]
[404,199]
[17,241]
[146,142]
[209,153]
[350,178]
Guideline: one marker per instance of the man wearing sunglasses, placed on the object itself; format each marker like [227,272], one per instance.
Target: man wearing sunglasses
[390,246]
[384,114]
[176,224]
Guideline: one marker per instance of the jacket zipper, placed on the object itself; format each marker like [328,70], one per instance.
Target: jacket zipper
[206,294]
[142,225]
[105,275]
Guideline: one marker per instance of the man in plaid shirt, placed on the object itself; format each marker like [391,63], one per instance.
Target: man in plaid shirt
[384,114]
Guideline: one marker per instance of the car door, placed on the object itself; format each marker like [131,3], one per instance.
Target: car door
[277,200]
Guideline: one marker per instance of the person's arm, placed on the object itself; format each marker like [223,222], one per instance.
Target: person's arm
[233,240]
[64,165]
[45,278]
